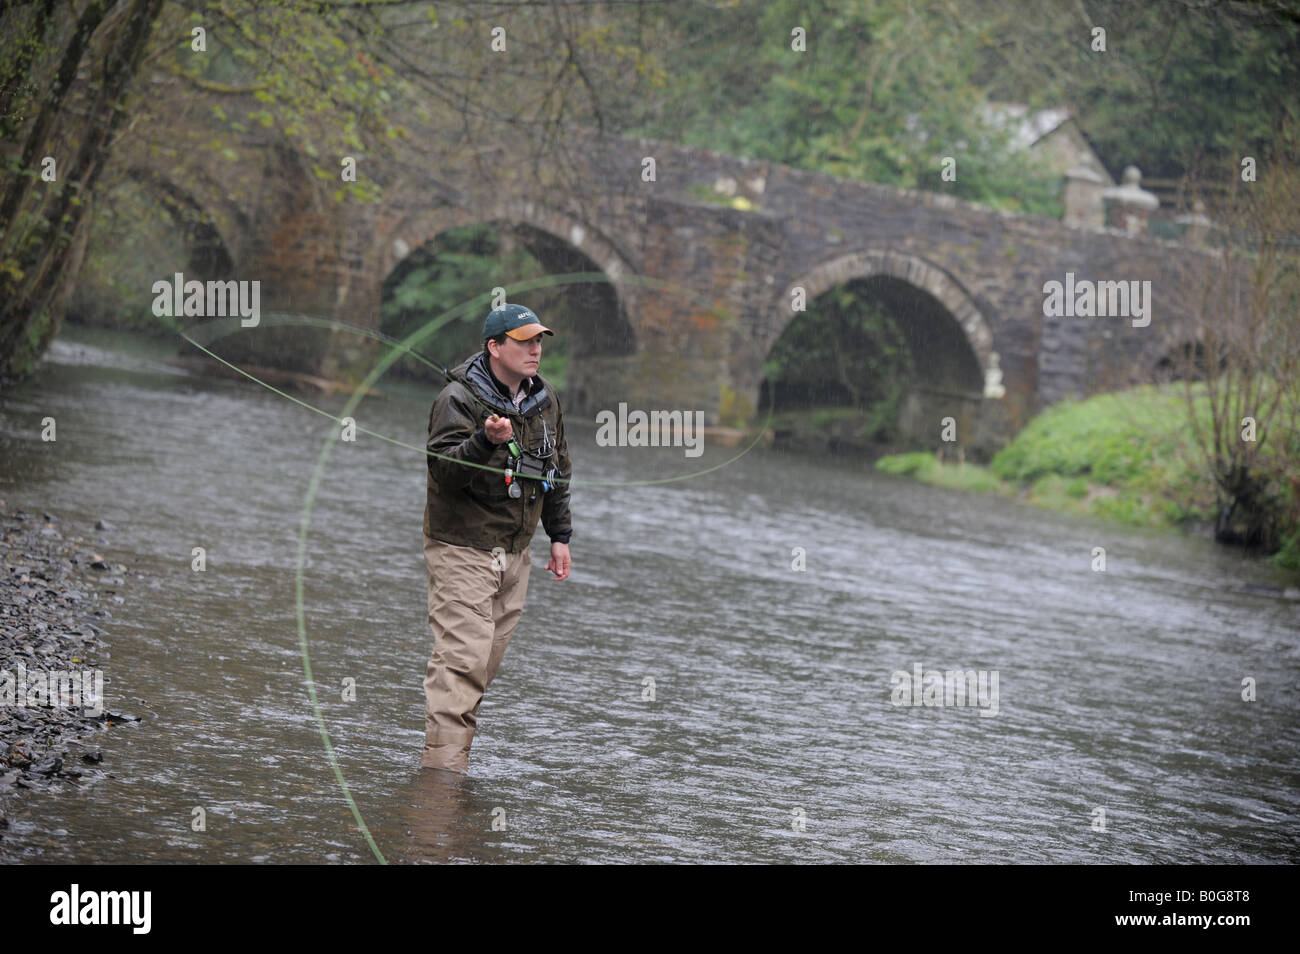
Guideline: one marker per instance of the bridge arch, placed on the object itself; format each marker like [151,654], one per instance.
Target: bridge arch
[911,270]
[957,369]
[417,228]
[210,252]
[561,244]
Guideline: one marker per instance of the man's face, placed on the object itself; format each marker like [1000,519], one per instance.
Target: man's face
[520,357]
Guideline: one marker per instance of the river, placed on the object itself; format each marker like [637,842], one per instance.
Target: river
[686,696]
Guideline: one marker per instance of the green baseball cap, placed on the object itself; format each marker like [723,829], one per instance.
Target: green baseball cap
[517,321]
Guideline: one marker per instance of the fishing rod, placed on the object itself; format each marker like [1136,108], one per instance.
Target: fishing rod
[523,464]
[215,328]
[212,328]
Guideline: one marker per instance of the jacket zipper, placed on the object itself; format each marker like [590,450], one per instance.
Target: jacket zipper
[523,504]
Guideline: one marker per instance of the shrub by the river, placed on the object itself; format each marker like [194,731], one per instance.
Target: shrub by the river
[1130,456]
[924,467]
[920,465]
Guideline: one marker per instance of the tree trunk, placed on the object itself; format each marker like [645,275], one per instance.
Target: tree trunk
[44,261]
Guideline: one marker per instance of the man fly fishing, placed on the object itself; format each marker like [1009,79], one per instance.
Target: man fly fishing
[496,411]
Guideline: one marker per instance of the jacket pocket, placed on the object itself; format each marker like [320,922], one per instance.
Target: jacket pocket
[489,486]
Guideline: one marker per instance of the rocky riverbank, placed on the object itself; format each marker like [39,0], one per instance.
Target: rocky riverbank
[55,594]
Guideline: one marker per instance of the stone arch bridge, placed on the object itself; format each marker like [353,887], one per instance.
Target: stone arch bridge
[704,261]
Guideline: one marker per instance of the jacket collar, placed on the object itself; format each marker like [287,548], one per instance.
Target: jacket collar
[526,384]
[478,374]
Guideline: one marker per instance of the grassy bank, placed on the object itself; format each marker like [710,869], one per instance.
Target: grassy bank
[1129,457]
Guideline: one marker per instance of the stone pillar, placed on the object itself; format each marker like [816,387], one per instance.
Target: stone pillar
[1131,205]
[1196,225]
[1084,204]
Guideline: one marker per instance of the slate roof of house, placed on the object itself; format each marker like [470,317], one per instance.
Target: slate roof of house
[1026,128]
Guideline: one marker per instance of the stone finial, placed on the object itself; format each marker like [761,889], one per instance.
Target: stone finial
[1132,205]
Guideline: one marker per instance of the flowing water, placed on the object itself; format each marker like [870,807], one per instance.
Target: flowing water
[687,695]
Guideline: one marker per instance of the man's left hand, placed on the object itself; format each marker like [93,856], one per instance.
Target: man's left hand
[560,561]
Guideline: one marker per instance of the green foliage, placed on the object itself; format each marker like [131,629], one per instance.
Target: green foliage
[923,466]
[734,409]
[28,352]
[1177,86]
[1049,488]
[1131,457]
[134,242]
[1111,438]
[325,97]
[920,464]
[1289,556]
[887,88]
[1129,507]
[967,477]
[883,93]
[1136,444]
[822,418]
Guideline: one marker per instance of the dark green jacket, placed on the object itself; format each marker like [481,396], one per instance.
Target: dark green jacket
[471,507]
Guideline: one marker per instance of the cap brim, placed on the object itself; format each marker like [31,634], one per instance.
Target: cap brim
[524,332]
